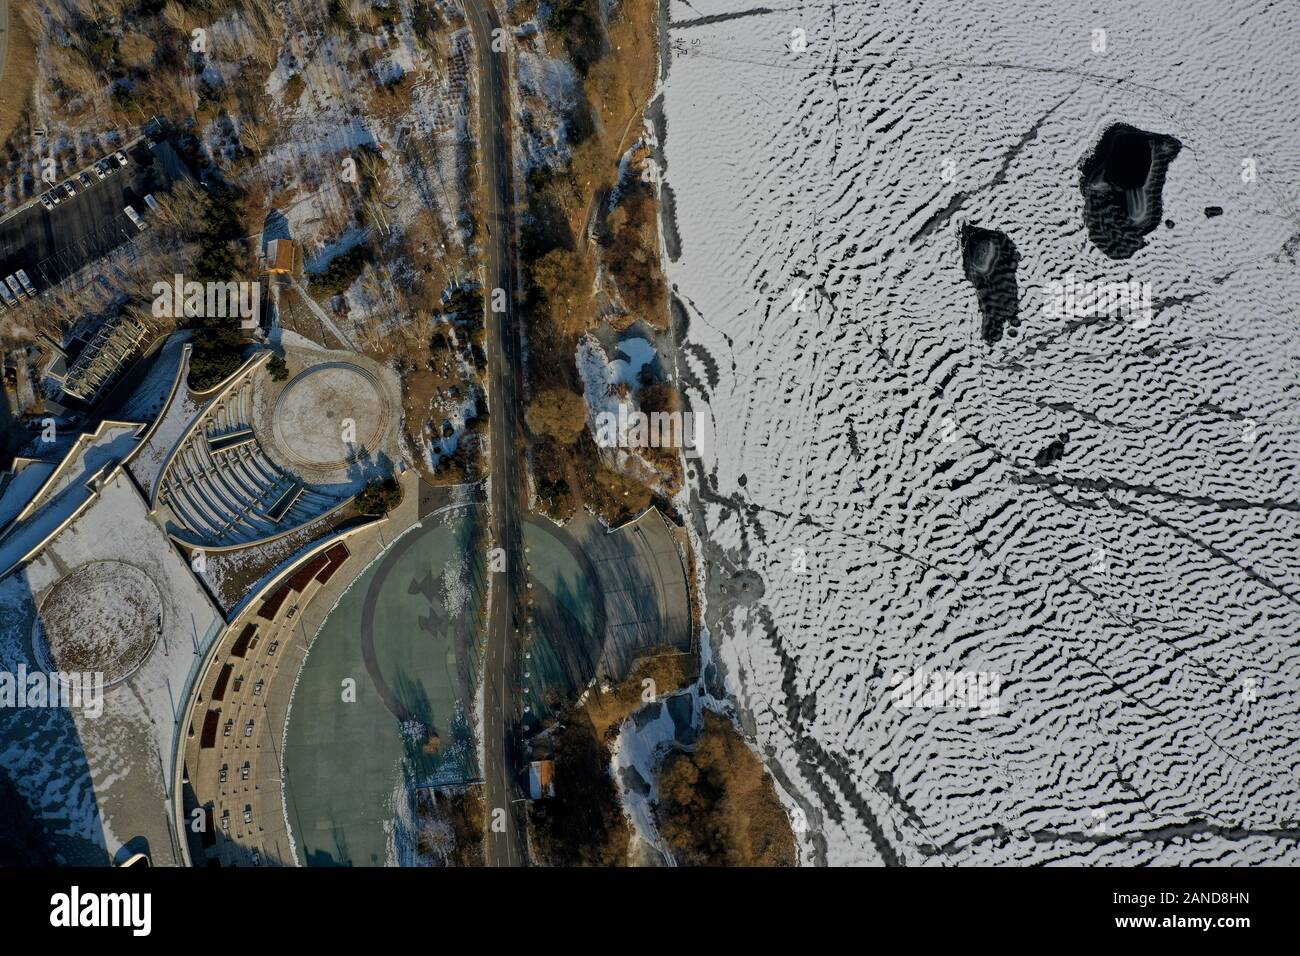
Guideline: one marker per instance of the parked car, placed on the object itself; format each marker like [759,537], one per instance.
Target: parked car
[248,813]
[85,179]
[134,217]
[69,189]
[121,158]
[102,169]
[26,281]
[47,201]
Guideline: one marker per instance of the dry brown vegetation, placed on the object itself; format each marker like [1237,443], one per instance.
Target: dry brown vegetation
[717,805]
[570,476]
[563,283]
[127,61]
[618,65]
[583,824]
[558,413]
[667,673]
[631,252]
[618,85]
[450,826]
[19,71]
[433,384]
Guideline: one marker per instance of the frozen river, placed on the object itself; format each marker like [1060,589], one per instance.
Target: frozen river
[1086,523]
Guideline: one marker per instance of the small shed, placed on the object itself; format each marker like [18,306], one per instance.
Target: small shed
[541,779]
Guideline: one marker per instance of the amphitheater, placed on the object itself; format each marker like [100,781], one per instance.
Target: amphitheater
[263,458]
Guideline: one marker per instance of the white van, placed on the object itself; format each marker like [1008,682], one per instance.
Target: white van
[152,203]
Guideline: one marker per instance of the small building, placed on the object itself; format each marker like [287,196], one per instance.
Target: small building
[541,779]
[278,256]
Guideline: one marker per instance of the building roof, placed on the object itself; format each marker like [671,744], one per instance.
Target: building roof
[541,779]
[279,255]
[104,357]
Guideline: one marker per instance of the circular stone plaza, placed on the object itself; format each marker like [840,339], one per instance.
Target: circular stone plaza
[330,415]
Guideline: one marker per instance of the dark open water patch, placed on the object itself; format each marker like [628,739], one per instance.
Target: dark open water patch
[1123,185]
[1051,454]
[989,258]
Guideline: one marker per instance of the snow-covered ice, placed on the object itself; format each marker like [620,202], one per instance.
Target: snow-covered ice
[886,471]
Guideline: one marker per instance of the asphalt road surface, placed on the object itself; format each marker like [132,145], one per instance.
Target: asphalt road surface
[502,679]
[52,244]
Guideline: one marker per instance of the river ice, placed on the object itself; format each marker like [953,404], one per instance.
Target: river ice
[1095,516]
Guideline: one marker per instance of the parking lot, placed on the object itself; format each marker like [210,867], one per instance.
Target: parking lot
[53,244]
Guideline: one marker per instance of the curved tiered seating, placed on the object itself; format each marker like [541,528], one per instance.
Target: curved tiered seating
[223,490]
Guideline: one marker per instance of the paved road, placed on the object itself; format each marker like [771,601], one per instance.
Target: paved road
[505,841]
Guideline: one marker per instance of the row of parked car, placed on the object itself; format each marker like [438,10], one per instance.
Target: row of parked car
[15,288]
[102,169]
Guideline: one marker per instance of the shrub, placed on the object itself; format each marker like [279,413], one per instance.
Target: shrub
[559,413]
[342,271]
[379,496]
[564,286]
[293,88]
[718,807]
